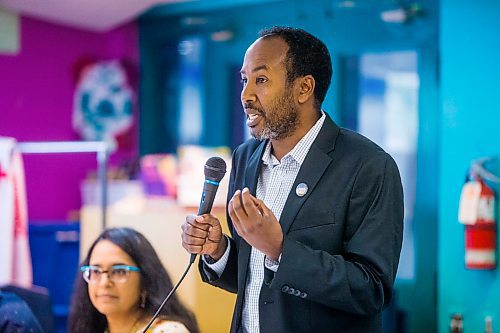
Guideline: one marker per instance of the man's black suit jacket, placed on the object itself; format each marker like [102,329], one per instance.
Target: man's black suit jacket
[342,240]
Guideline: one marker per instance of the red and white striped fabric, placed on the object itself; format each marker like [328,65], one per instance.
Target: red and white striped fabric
[15,257]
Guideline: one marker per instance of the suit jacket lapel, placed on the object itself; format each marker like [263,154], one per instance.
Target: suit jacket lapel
[251,177]
[253,168]
[311,171]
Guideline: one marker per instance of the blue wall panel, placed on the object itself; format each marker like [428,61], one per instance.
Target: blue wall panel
[470,128]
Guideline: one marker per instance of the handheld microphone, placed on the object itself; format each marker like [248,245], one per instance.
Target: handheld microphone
[215,169]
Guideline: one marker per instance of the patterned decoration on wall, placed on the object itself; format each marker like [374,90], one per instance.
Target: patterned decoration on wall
[103,101]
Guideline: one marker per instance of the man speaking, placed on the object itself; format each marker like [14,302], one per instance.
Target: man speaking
[315,211]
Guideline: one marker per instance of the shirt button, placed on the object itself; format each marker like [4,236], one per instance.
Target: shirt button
[296,293]
[285,289]
[291,291]
[303,295]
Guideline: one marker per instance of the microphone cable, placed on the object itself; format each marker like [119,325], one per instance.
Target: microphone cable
[157,313]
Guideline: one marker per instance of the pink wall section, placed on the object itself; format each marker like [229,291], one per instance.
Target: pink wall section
[36,100]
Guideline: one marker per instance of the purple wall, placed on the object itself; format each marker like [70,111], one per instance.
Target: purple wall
[36,100]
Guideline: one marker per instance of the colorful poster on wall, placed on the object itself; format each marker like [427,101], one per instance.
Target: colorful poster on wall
[103,102]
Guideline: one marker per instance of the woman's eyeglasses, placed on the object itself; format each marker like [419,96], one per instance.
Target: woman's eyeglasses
[116,273]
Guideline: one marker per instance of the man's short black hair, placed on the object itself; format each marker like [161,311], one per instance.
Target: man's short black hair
[307,55]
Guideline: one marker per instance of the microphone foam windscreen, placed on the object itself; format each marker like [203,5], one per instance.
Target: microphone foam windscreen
[215,168]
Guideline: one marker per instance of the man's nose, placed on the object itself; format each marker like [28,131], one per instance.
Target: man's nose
[247,94]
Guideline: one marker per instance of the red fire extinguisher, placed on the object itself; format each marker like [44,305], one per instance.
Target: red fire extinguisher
[477,213]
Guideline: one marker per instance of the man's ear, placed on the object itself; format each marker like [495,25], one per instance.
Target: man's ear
[306,89]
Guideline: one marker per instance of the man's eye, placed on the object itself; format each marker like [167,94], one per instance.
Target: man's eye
[261,80]
[243,81]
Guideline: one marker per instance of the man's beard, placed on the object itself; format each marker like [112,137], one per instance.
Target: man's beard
[281,119]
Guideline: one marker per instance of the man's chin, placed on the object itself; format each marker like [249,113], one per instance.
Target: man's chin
[259,137]
[256,134]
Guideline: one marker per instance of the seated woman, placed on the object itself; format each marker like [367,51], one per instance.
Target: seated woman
[122,285]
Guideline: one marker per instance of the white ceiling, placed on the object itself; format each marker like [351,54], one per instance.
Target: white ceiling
[94,15]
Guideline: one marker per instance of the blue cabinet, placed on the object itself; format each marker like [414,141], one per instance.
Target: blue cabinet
[55,256]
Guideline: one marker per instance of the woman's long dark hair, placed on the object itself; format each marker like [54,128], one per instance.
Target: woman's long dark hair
[84,317]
